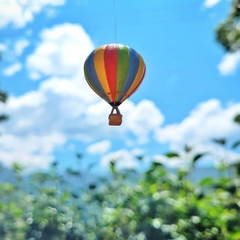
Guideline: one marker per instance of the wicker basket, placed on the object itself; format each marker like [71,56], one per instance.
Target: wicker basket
[115,119]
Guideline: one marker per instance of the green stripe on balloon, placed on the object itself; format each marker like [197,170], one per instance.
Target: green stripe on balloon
[122,68]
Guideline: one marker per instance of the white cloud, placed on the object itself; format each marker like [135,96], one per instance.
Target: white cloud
[229,63]
[11,70]
[62,52]
[65,105]
[20,12]
[31,151]
[99,147]
[143,119]
[207,121]
[20,45]
[40,121]
[211,3]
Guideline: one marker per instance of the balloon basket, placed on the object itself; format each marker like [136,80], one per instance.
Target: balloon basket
[115,119]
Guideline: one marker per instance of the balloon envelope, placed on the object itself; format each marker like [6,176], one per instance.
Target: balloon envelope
[114,72]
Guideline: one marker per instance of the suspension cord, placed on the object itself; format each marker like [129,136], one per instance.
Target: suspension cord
[115,24]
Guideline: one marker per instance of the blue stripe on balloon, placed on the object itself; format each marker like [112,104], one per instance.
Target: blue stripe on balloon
[132,71]
[93,76]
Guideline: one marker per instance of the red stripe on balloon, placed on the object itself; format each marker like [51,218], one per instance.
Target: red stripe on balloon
[110,62]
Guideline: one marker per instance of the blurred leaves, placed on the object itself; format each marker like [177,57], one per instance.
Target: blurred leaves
[3,118]
[207,182]
[79,155]
[125,205]
[172,154]
[237,119]
[236,144]
[3,96]
[198,156]
[220,141]
[228,32]
[112,167]
[187,148]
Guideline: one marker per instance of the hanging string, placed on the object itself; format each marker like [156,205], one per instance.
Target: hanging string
[115,24]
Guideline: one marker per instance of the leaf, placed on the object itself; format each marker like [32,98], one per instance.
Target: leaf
[187,148]
[237,119]
[54,163]
[236,144]
[221,141]
[3,117]
[17,167]
[112,167]
[151,170]
[156,164]
[237,167]
[200,195]
[181,174]
[3,96]
[75,195]
[171,155]
[73,172]
[92,186]
[231,189]
[197,156]
[206,181]
[224,181]
[140,157]
[79,155]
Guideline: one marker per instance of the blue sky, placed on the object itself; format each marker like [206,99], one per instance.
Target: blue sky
[190,93]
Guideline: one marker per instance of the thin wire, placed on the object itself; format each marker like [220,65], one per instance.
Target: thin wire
[115,24]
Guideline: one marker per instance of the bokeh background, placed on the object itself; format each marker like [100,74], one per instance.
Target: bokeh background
[170,171]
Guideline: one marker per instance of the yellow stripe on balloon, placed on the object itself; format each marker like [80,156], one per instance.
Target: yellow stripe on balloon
[100,70]
[136,79]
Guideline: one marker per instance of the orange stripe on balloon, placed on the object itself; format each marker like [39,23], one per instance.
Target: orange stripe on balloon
[135,89]
[138,79]
[100,70]
[110,60]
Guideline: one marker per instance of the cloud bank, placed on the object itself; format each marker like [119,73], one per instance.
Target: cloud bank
[19,12]
[64,107]
[208,121]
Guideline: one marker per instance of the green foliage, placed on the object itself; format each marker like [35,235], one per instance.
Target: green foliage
[153,205]
[228,32]
[172,154]
[221,141]
[198,156]
[3,98]
[236,144]
[237,119]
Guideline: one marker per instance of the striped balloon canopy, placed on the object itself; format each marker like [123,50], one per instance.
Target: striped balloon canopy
[114,72]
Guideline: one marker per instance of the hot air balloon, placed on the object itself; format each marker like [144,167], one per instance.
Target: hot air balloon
[114,72]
